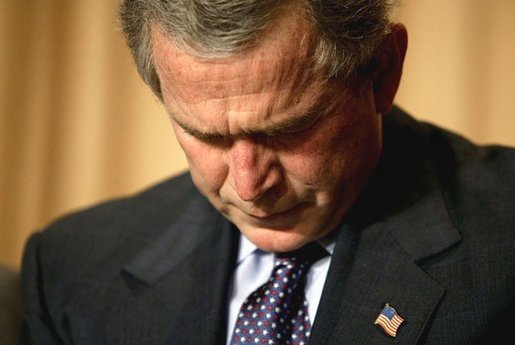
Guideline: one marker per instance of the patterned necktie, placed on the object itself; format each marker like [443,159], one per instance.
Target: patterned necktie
[276,313]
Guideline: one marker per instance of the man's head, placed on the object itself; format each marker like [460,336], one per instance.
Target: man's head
[347,32]
[278,118]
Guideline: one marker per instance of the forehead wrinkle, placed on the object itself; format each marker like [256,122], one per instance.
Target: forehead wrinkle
[265,102]
[289,120]
[230,83]
[238,113]
[247,122]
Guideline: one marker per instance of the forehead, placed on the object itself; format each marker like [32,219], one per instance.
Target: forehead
[269,79]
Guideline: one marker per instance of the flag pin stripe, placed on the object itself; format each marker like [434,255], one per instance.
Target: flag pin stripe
[389,320]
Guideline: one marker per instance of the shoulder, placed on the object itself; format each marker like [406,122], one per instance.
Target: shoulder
[474,186]
[110,232]
[469,174]
[477,180]
[477,185]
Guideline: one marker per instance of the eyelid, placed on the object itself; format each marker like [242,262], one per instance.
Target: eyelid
[301,127]
[204,136]
[271,133]
[197,134]
[308,122]
[304,123]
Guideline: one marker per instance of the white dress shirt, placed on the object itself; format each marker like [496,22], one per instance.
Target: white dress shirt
[253,269]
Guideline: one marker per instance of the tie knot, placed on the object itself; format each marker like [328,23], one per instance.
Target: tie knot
[304,256]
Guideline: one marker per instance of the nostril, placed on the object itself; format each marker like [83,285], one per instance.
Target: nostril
[251,185]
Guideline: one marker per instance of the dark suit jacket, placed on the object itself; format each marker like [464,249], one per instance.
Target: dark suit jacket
[433,234]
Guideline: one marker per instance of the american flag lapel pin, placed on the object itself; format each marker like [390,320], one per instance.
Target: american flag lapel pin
[389,320]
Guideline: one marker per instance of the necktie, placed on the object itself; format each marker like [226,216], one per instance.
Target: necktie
[276,313]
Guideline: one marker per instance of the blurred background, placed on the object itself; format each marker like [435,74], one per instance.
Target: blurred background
[77,126]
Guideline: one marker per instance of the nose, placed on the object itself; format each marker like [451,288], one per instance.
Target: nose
[252,169]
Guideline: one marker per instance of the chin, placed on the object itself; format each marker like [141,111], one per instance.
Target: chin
[271,240]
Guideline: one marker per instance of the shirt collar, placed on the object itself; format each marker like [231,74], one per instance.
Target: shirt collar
[246,249]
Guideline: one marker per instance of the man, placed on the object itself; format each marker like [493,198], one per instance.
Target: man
[285,112]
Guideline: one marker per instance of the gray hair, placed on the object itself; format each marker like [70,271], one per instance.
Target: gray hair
[348,31]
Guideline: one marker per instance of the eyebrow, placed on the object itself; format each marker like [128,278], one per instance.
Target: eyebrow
[293,124]
[289,125]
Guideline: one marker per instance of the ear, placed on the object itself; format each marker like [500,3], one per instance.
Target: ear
[387,67]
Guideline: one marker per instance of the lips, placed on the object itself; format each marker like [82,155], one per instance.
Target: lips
[262,215]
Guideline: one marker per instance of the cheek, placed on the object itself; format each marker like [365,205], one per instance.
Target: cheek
[308,166]
[206,164]
[315,159]
[332,156]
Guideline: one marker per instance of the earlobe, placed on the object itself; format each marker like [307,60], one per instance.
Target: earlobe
[387,70]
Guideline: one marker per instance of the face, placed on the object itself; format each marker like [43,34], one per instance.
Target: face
[279,150]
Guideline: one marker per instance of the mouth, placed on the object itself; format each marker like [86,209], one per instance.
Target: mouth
[271,216]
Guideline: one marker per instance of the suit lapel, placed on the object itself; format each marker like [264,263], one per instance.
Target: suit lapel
[179,283]
[372,267]
[400,220]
